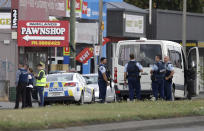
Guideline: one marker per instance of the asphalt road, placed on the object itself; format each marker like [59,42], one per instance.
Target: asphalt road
[188,128]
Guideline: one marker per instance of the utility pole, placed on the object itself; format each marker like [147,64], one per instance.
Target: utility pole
[184,25]
[72,33]
[100,34]
[150,12]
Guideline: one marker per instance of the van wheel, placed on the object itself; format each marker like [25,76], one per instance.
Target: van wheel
[81,101]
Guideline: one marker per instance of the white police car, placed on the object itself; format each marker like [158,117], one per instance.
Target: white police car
[92,81]
[68,87]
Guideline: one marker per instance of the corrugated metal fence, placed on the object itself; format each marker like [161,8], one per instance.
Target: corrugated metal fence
[4,81]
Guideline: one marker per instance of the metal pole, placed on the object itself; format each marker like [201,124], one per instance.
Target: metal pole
[100,34]
[95,57]
[150,12]
[6,69]
[72,33]
[184,25]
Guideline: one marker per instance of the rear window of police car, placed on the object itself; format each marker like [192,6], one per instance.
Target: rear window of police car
[60,77]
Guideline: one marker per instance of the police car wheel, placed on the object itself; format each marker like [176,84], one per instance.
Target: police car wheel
[93,97]
[115,98]
[81,101]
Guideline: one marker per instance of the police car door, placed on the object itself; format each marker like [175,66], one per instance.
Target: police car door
[193,71]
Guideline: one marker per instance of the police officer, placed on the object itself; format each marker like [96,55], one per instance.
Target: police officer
[29,88]
[21,83]
[41,83]
[132,70]
[157,76]
[168,79]
[103,79]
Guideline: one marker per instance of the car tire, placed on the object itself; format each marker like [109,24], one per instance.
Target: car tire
[81,101]
[173,94]
[115,98]
[93,97]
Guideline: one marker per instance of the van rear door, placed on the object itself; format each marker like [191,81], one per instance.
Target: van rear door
[193,72]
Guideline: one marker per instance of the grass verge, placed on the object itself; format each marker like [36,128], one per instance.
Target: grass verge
[72,115]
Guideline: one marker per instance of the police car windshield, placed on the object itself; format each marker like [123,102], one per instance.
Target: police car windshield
[60,77]
[91,79]
[144,53]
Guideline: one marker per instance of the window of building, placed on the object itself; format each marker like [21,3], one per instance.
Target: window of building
[59,51]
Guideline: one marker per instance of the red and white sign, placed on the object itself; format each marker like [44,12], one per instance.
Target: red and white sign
[66,51]
[85,55]
[97,50]
[78,4]
[105,41]
[85,8]
[43,33]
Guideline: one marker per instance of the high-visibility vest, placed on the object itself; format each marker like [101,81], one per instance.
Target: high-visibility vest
[41,82]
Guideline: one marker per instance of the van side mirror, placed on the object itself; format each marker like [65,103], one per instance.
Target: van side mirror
[193,65]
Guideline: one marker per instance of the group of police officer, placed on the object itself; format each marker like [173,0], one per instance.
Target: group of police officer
[161,75]
[24,85]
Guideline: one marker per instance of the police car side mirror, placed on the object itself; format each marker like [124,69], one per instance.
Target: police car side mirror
[88,82]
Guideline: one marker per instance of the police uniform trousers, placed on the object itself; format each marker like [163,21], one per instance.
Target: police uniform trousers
[21,94]
[28,97]
[134,86]
[40,90]
[158,87]
[102,90]
[168,90]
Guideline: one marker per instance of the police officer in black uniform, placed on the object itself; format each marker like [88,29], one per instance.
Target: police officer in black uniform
[21,82]
[157,76]
[103,81]
[168,79]
[132,70]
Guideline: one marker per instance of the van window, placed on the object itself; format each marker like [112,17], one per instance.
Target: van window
[175,57]
[144,53]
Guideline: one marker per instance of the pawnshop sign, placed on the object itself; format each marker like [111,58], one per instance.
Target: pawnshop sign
[43,33]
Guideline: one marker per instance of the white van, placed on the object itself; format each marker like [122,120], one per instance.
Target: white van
[145,52]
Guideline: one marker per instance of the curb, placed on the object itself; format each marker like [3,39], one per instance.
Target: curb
[139,125]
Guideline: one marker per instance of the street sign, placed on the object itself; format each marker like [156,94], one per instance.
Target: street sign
[14,19]
[43,33]
[105,41]
[66,51]
[85,55]
[97,51]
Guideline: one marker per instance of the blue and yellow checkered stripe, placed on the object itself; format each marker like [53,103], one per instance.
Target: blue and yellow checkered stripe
[58,85]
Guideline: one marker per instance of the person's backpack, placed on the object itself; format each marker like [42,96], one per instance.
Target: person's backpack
[23,78]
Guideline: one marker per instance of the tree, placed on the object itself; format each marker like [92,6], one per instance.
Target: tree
[192,5]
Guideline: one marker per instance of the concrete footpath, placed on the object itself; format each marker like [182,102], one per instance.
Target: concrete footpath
[10,105]
[139,125]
